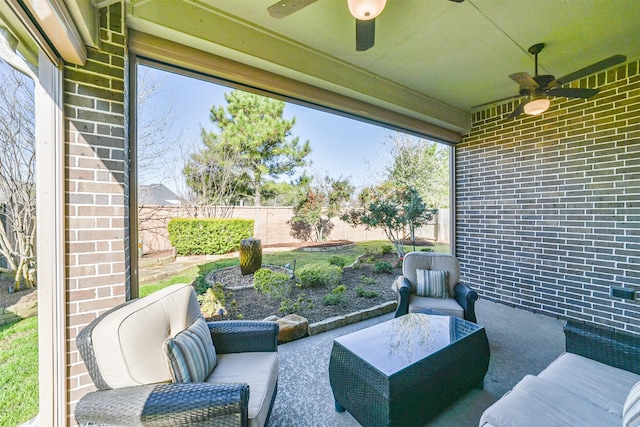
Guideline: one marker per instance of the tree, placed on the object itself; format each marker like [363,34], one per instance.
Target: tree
[253,142]
[419,164]
[155,139]
[316,206]
[17,175]
[283,193]
[214,176]
[393,207]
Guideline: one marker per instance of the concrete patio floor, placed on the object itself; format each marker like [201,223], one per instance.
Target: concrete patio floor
[521,343]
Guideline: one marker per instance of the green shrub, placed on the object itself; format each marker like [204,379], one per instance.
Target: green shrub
[208,236]
[317,274]
[382,267]
[335,297]
[365,293]
[386,249]
[273,283]
[368,280]
[337,261]
[287,306]
[212,302]
[426,250]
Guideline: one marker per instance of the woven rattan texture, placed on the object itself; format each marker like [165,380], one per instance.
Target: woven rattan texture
[614,348]
[417,393]
[180,404]
[164,405]
[234,336]
[84,344]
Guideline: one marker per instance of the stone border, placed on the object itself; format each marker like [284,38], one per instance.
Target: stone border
[347,319]
[151,262]
[327,249]
[17,312]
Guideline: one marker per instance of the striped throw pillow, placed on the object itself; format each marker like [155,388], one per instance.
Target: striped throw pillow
[631,411]
[432,283]
[191,354]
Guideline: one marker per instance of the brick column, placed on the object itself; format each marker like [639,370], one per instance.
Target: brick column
[97,193]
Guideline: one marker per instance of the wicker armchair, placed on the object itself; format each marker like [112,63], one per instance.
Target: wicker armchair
[461,301]
[123,353]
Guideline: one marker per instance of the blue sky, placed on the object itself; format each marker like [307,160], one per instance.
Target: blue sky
[340,146]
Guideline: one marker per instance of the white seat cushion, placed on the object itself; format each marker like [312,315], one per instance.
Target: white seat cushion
[601,384]
[129,342]
[631,413]
[536,402]
[448,306]
[259,370]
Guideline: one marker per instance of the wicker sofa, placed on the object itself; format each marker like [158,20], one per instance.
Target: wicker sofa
[126,353]
[596,382]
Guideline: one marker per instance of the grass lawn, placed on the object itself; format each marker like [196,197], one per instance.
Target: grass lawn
[18,372]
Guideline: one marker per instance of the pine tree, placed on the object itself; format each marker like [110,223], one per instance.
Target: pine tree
[253,139]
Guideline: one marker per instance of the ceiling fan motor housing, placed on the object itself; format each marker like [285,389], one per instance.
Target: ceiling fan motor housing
[544,80]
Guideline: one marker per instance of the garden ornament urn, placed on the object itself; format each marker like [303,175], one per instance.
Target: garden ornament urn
[250,255]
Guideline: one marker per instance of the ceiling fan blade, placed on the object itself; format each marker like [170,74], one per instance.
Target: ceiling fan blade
[286,7]
[570,92]
[591,69]
[365,34]
[524,80]
[518,110]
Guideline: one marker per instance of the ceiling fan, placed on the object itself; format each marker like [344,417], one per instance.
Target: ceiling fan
[365,12]
[538,88]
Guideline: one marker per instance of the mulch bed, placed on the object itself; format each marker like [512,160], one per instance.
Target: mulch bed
[249,304]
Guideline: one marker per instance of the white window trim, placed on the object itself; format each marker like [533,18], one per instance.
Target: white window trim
[50,207]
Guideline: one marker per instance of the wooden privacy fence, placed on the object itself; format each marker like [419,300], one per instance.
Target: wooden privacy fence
[271,225]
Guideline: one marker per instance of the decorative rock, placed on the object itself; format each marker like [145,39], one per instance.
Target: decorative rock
[272,318]
[292,327]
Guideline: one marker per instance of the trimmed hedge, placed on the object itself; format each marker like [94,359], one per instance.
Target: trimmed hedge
[208,236]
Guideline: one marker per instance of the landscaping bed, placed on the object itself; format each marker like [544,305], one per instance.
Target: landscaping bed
[364,287]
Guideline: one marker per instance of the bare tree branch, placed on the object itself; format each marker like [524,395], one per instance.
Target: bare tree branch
[17,174]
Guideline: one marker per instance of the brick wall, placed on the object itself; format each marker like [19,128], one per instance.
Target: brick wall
[97,165]
[548,207]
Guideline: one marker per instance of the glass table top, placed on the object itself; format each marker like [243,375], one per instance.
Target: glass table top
[397,343]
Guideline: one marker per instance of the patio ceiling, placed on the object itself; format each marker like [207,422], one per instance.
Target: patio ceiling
[432,61]
[445,56]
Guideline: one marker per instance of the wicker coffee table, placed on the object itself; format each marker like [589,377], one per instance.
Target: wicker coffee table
[404,371]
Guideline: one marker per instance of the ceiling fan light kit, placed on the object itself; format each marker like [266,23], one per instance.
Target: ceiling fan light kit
[537,106]
[539,88]
[365,10]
